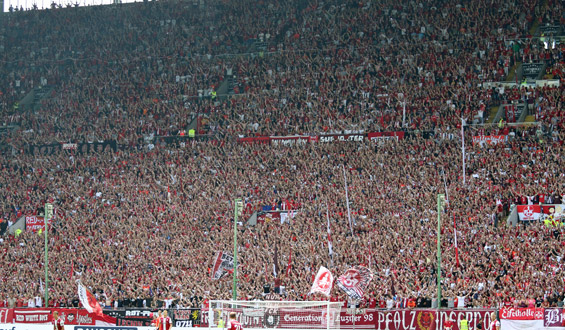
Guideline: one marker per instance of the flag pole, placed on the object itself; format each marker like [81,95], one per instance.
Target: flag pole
[440,200]
[347,201]
[404,113]
[47,215]
[463,147]
[354,313]
[45,220]
[237,211]
[330,251]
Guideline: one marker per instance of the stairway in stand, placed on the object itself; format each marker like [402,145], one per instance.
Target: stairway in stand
[491,114]
[530,119]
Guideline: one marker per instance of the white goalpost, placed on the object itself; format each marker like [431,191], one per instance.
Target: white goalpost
[276,314]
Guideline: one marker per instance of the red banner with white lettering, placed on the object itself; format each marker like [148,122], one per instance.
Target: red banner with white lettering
[69,316]
[34,223]
[522,318]
[521,314]
[32,315]
[489,139]
[429,319]
[297,319]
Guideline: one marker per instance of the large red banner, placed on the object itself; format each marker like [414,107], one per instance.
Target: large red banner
[32,315]
[431,319]
[521,314]
[34,223]
[364,320]
[396,319]
[44,316]
[489,139]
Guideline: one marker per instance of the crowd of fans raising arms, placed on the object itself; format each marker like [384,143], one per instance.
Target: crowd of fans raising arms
[143,224]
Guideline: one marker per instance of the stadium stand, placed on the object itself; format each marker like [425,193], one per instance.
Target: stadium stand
[96,103]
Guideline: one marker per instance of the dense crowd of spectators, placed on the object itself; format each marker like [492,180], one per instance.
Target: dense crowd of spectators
[143,223]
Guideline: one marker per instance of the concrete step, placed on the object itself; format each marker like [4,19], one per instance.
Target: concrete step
[530,119]
[512,73]
[491,114]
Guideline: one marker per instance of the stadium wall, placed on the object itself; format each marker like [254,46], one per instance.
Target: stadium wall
[396,319]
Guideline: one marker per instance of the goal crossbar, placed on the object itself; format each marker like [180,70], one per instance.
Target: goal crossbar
[272,314]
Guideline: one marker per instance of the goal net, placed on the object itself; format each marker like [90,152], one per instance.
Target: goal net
[276,314]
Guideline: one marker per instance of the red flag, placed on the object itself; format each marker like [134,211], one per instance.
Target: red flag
[216,266]
[222,265]
[529,212]
[88,300]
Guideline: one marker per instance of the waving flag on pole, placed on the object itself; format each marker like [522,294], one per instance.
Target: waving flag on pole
[323,282]
[355,281]
[88,300]
[223,264]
